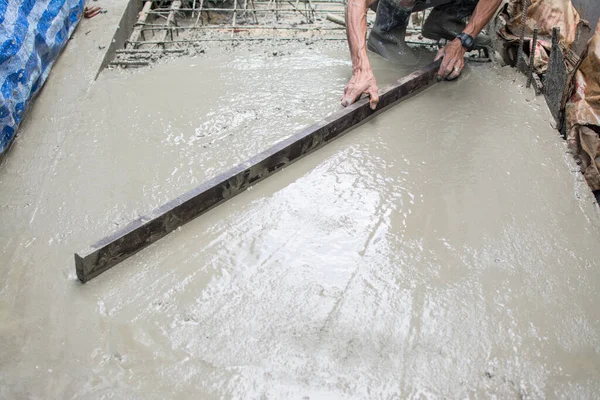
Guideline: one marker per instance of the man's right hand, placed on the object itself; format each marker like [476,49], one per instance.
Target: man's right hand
[362,82]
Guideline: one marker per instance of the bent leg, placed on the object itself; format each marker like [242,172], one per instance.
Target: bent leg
[421,5]
[457,8]
[387,38]
[447,20]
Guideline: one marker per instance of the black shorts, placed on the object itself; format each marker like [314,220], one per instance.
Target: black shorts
[458,8]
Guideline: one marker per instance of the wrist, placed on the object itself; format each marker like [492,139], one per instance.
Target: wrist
[469,30]
[363,73]
[459,43]
[362,70]
[361,65]
[466,41]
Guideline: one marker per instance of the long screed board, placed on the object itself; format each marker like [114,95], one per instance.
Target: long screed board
[146,230]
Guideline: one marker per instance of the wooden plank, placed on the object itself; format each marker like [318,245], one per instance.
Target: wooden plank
[137,30]
[146,230]
[175,6]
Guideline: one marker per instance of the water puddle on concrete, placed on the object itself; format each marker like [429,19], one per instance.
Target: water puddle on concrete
[442,249]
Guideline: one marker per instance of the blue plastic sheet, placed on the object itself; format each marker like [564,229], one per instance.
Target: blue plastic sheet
[32,34]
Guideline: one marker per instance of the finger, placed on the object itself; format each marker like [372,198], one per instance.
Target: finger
[351,97]
[347,89]
[458,67]
[442,71]
[439,54]
[443,66]
[448,68]
[356,94]
[373,98]
[453,75]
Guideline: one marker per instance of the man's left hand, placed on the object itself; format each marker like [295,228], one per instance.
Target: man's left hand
[453,60]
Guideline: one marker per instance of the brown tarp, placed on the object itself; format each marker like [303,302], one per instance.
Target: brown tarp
[582,110]
[582,113]
[545,14]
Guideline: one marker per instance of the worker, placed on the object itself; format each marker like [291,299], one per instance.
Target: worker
[387,38]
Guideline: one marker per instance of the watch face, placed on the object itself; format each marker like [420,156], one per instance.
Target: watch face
[469,42]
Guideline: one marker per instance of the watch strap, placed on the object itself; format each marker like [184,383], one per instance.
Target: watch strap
[466,40]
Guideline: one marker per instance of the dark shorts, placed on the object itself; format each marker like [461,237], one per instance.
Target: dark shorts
[458,8]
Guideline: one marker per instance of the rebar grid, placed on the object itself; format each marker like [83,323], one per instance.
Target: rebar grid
[179,26]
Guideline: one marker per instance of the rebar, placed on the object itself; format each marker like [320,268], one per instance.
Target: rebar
[520,57]
[129,63]
[243,39]
[156,35]
[336,20]
[175,6]
[532,56]
[142,51]
[247,27]
[287,10]
[199,16]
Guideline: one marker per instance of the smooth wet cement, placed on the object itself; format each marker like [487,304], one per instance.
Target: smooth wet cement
[446,248]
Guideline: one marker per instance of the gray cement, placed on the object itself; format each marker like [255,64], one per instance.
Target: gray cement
[448,248]
[146,230]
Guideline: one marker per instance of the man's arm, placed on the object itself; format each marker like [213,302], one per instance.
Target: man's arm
[363,80]
[454,52]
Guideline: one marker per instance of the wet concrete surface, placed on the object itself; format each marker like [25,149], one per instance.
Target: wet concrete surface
[447,248]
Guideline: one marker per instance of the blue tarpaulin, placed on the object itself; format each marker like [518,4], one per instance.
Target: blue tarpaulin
[32,34]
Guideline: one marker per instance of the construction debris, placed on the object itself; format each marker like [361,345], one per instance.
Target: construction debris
[91,12]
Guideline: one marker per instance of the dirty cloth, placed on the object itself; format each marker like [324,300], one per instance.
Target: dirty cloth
[32,34]
[545,14]
[583,113]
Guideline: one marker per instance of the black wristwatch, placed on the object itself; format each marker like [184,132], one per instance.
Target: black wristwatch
[467,41]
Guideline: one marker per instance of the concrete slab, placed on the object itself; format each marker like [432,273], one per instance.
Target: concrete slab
[137,235]
[443,251]
[450,255]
